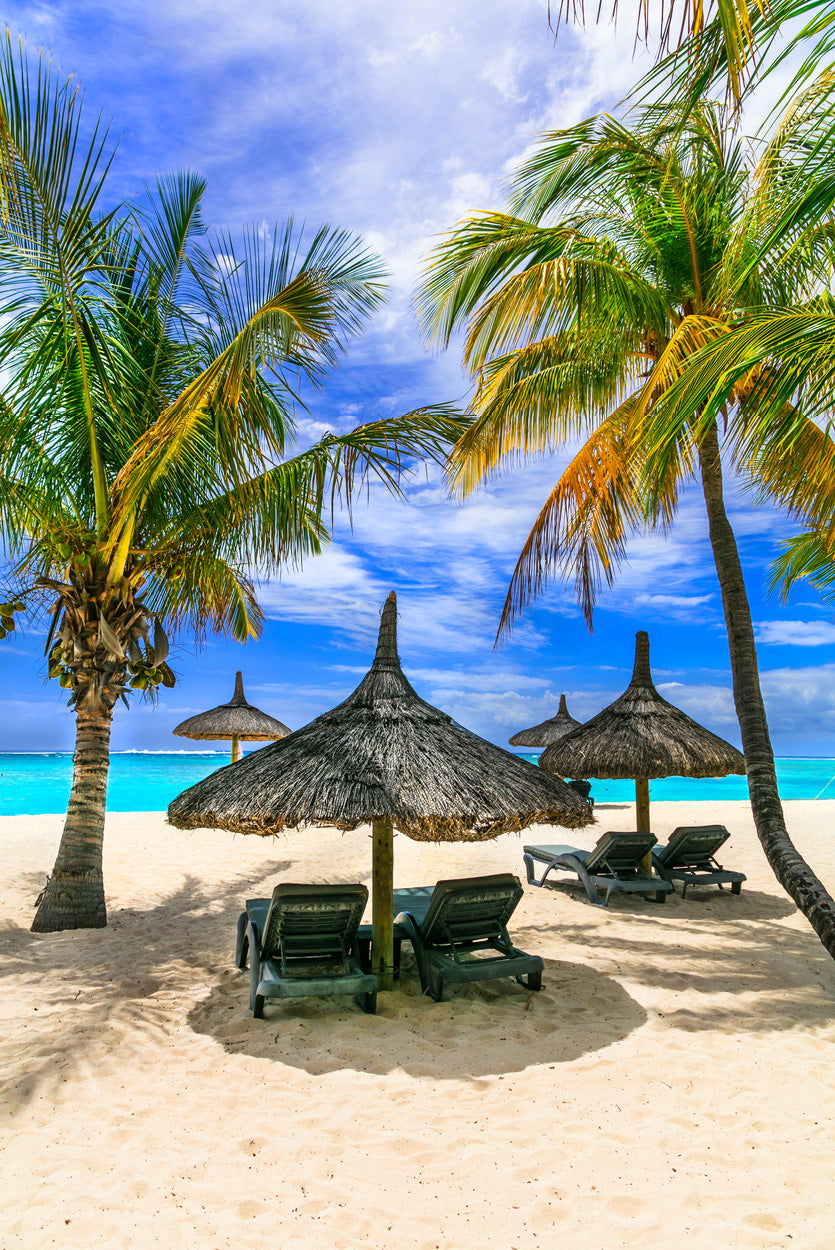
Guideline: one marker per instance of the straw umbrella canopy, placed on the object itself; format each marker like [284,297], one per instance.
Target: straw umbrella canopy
[237,720]
[640,736]
[386,758]
[549,731]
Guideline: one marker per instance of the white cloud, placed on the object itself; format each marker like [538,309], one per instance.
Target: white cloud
[795,633]
[672,601]
[800,699]
[709,705]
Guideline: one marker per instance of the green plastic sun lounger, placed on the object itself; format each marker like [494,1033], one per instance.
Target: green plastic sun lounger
[690,857]
[613,864]
[301,944]
[459,934]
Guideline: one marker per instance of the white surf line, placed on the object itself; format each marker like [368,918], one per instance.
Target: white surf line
[826,787]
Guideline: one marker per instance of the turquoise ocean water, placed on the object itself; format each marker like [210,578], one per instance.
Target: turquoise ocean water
[147,782]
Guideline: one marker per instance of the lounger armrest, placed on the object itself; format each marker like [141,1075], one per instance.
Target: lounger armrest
[658,862]
[574,862]
[411,929]
[254,942]
[408,922]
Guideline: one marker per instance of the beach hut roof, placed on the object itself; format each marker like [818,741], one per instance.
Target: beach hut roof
[384,752]
[549,731]
[235,719]
[642,735]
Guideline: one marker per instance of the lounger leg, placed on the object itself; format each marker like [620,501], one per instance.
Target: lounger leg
[258,1007]
[661,896]
[533,981]
[242,942]
[531,872]
[736,887]
[683,889]
[364,953]
[370,1003]
[529,869]
[435,987]
[591,888]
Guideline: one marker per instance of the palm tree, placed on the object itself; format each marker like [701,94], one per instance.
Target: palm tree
[629,249]
[149,385]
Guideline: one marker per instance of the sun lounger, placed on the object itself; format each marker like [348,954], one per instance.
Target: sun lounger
[689,857]
[613,864]
[459,934]
[301,944]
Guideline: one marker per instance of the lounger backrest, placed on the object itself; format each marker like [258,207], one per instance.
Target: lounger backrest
[620,852]
[471,908]
[310,920]
[692,845]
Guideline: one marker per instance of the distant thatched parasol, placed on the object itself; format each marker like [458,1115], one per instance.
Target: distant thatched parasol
[640,736]
[383,757]
[237,720]
[549,731]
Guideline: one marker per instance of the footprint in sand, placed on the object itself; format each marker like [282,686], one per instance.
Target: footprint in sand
[764,1221]
[250,1209]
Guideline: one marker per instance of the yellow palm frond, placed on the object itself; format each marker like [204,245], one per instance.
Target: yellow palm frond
[539,396]
[582,529]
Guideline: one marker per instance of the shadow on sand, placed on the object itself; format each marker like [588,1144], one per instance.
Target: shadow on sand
[79,998]
[757,975]
[81,994]
[478,1030]
[705,902]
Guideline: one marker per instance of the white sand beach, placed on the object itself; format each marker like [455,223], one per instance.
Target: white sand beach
[674,1082]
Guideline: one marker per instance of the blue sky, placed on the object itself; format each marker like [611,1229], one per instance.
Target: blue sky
[394,121]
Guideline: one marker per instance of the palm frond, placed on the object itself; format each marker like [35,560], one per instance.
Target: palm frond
[581,532]
[730,46]
[305,312]
[790,459]
[203,592]
[809,556]
[537,397]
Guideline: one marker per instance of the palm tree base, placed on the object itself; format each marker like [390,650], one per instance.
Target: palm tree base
[71,901]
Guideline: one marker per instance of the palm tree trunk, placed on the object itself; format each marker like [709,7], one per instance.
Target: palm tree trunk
[791,870]
[74,896]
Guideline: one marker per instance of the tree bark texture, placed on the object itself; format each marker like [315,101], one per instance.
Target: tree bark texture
[791,870]
[642,815]
[74,896]
[382,902]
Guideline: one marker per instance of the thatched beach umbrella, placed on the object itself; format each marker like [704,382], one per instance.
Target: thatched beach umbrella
[549,731]
[386,758]
[640,736]
[237,720]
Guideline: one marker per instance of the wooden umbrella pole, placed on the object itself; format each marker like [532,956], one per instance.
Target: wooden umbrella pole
[235,748]
[382,902]
[642,814]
